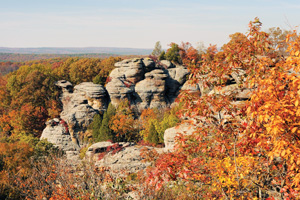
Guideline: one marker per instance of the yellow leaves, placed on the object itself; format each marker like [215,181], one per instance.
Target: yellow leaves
[283,153]
[294,129]
[296,103]
[260,118]
[298,112]
[297,53]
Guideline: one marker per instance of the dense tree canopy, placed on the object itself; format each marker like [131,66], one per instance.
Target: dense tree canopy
[30,97]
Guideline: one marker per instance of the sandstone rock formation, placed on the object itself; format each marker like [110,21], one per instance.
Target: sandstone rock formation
[145,84]
[57,133]
[191,87]
[171,133]
[177,77]
[152,89]
[80,104]
[142,82]
[126,158]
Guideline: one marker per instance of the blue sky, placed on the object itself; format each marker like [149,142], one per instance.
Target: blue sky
[136,23]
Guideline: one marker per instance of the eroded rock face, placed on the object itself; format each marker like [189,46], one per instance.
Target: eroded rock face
[95,94]
[152,89]
[171,133]
[176,78]
[80,104]
[120,89]
[127,157]
[145,84]
[131,69]
[57,133]
[234,87]
[142,82]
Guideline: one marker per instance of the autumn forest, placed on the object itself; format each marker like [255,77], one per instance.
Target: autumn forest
[241,135]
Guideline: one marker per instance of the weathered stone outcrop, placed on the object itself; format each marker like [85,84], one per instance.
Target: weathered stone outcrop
[145,84]
[141,81]
[131,70]
[191,87]
[177,77]
[152,89]
[80,104]
[120,89]
[171,133]
[57,132]
[95,94]
[126,158]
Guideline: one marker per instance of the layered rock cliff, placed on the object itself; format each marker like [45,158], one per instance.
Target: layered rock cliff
[146,84]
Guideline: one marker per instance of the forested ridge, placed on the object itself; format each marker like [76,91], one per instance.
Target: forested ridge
[11,61]
[13,57]
[236,149]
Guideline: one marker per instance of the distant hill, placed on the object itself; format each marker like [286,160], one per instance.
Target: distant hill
[77,50]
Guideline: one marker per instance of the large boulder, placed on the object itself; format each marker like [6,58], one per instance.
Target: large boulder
[120,89]
[128,159]
[179,74]
[191,87]
[152,89]
[131,69]
[117,156]
[149,64]
[171,133]
[58,134]
[95,94]
[167,64]
[240,94]
[176,78]
[145,84]
[96,148]
[78,120]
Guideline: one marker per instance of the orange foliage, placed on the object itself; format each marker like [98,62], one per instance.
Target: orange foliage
[247,150]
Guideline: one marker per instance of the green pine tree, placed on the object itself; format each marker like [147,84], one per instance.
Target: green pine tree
[105,133]
[96,125]
[173,53]
[162,56]
[153,135]
[111,110]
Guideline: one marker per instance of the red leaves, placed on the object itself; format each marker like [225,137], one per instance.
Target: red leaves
[64,123]
[239,147]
